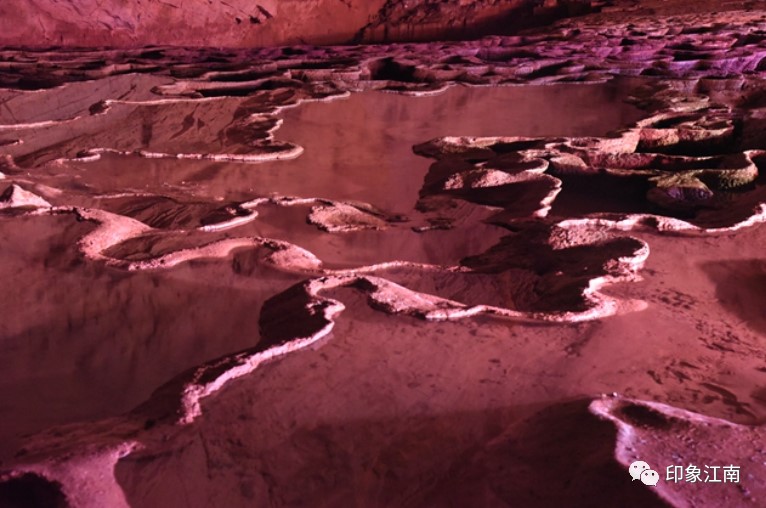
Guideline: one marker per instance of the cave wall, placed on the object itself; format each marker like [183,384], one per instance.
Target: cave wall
[247,23]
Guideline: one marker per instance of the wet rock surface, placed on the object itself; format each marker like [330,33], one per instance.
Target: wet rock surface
[322,340]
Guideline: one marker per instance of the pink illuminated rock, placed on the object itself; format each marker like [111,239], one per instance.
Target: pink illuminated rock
[702,461]
[15,197]
[381,275]
[239,23]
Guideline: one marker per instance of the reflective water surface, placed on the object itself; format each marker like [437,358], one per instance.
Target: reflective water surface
[80,340]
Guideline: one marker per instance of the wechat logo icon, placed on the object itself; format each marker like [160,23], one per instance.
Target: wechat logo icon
[640,470]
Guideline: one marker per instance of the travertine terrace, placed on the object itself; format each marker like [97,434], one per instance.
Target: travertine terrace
[490,272]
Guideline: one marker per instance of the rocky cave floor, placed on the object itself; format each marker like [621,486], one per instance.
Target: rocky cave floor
[545,311]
